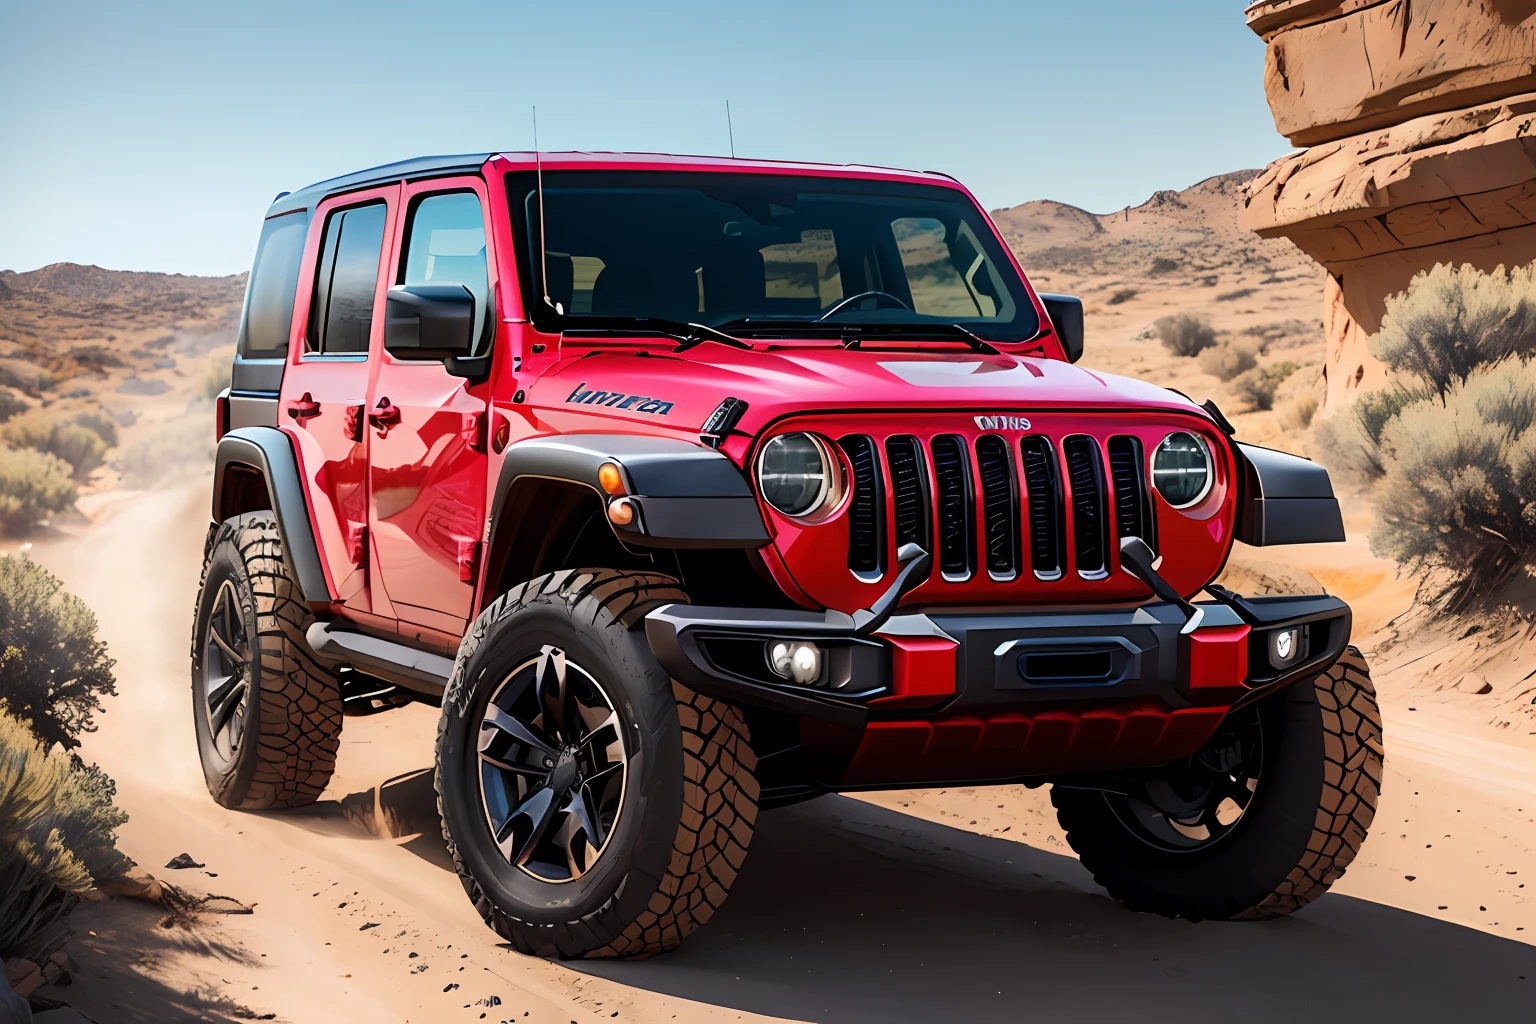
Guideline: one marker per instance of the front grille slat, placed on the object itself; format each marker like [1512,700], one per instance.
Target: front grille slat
[999,507]
[911,504]
[1042,485]
[1133,507]
[954,507]
[1090,535]
[866,508]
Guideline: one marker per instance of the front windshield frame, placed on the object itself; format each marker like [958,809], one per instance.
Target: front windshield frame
[1008,284]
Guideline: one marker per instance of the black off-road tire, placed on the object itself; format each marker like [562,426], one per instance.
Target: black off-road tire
[293,715]
[1310,813]
[690,799]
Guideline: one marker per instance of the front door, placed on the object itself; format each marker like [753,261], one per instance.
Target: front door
[327,382]
[427,469]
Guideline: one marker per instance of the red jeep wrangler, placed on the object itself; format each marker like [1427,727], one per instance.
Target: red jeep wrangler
[689,487]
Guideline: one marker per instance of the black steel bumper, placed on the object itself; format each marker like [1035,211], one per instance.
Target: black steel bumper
[1005,660]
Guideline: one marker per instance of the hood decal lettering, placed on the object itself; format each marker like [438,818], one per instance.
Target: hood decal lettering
[582,395]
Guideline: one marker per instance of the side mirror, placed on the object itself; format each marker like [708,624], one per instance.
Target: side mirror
[1066,313]
[429,321]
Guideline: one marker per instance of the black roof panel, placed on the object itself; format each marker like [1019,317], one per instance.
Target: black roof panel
[420,167]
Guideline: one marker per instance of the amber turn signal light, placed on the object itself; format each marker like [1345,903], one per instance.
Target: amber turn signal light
[621,512]
[609,479]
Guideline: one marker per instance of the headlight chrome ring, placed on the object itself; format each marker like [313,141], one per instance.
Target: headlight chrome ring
[799,475]
[1182,469]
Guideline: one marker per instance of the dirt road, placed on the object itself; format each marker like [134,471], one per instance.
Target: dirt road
[960,905]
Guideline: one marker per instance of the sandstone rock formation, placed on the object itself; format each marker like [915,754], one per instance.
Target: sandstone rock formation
[1421,122]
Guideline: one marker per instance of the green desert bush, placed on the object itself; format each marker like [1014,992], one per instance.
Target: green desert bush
[33,486]
[10,405]
[1257,386]
[1452,320]
[100,424]
[1229,359]
[1459,488]
[1297,414]
[1185,334]
[1123,295]
[58,829]
[46,431]
[54,671]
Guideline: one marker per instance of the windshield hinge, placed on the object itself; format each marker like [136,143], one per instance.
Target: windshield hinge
[722,421]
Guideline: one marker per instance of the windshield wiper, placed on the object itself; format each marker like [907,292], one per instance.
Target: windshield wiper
[689,334]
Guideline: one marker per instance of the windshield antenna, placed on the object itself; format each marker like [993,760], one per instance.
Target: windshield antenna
[730,129]
[538,172]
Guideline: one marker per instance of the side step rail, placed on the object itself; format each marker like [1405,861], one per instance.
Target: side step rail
[404,666]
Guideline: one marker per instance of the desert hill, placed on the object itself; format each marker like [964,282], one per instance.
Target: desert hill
[67,321]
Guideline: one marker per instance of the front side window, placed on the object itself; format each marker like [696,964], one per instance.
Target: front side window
[445,244]
[274,279]
[746,252]
[341,315]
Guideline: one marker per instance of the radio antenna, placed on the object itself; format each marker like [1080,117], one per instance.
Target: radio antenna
[730,129]
[538,175]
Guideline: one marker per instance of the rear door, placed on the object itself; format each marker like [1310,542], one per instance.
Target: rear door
[326,385]
[427,468]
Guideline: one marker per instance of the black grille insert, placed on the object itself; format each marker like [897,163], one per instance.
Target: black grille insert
[866,508]
[910,502]
[1133,507]
[952,481]
[1042,485]
[999,506]
[1085,475]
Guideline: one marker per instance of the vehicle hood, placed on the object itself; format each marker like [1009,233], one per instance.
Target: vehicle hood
[649,388]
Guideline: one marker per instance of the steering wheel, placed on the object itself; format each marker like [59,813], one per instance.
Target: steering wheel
[880,299]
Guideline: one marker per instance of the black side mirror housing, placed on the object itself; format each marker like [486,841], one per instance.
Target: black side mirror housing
[429,321]
[1066,313]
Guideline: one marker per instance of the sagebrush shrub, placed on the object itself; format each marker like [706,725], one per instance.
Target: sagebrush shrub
[33,486]
[216,379]
[1459,488]
[100,424]
[58,840]
[1229,359]
[53,669]
[1185,334]
[46,431]
[1258,386]
[10,405]
[1452,320]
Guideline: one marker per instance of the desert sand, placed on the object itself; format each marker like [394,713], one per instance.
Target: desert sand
[923,906]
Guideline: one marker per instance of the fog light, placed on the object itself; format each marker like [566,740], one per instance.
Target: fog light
[1287,646]
[621,512]
[796,660]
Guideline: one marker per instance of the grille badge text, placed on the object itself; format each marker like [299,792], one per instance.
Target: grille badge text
[1002,423]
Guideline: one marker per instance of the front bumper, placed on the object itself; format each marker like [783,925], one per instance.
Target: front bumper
[990,663]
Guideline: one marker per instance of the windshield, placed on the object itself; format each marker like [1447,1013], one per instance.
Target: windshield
[759,253]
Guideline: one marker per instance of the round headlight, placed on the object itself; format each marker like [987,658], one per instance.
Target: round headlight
[797,474]
[1181,469]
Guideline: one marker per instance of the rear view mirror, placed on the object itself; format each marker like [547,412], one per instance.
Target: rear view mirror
[429,321]
[1066,313]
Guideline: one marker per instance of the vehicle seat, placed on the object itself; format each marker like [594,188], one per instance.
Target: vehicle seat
[634,289]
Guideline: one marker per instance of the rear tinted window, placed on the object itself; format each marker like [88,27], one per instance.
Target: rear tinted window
[341,316]
[274,279]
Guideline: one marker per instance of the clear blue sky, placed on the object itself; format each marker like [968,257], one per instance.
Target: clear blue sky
[152,135]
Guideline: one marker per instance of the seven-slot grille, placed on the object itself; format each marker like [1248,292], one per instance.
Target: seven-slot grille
[997,506]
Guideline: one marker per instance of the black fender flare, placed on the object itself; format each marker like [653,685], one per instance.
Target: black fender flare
[685,495]
[1284,499]
[269,452]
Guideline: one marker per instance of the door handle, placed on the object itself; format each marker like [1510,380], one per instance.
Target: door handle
[304,408]
[384,415]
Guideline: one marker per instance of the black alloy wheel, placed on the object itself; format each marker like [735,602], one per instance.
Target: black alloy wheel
[1196,803]
[552,767]
[226,673]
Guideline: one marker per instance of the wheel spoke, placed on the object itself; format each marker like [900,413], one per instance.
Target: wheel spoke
[539,810]
[611,719]
[552,689]
[226,711]
[498,723]
[220,690]
[579,819]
